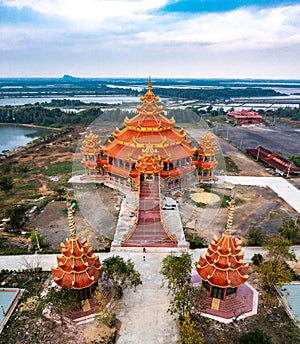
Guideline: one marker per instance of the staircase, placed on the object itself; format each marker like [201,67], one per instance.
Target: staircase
[215,304]
[149,229]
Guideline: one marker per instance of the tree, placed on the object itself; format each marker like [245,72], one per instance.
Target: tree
[274,270]
[16,215]
[255,336]
[189,333]
[176,270]
[257,259]
[121,274]
[37,240]
[106,304]
[6,184]
[255,237]
[186,299]
[289,229]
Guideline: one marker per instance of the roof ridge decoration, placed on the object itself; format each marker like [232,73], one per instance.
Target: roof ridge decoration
[150,161]
[91,141]
[149,96]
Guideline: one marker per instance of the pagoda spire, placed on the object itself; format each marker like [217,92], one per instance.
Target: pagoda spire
[149,83]
[230,207]
[70,207]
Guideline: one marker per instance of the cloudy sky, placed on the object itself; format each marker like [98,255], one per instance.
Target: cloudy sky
[162,38]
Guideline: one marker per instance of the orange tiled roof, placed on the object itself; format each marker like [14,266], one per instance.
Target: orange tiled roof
[150,162]
[149,126]
[222,265]
[78,266]
[91,145]
[207,146]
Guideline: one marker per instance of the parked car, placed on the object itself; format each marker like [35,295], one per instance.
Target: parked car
[169,206]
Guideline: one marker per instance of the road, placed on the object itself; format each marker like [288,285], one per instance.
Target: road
[143,313]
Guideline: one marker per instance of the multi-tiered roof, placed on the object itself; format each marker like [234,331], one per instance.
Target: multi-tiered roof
[149,126]
[78,266]
[206,152]
[222,266]
[117,159]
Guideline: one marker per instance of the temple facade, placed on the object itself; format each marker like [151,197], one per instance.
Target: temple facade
[117,160]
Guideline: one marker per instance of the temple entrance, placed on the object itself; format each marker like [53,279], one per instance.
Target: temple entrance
[149,229]
[217,293]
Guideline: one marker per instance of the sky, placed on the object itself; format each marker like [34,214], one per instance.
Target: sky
[161,38]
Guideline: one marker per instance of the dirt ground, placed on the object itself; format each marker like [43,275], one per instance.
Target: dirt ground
[256,207]
[97,225]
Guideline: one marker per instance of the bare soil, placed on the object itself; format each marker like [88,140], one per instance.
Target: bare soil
[52,223]
[256,207]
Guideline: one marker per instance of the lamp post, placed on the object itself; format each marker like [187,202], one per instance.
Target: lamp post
[258,150]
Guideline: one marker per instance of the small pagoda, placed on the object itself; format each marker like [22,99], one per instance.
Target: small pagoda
[223,272]
[78,267]
[93,153]
[205,157]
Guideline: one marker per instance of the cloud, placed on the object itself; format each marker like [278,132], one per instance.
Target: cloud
[238,29]
[131,35]
[89,10]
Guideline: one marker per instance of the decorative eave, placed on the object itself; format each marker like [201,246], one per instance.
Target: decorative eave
[78,266]
[222,266]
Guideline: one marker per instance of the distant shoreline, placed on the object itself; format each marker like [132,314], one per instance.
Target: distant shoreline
[31,126]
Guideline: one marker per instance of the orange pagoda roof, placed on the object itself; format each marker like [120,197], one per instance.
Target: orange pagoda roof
[149,126]
[207,146]
[149,162]
[91,145]
[78,266]
[222,266]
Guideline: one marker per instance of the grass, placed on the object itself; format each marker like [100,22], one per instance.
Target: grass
[58,168]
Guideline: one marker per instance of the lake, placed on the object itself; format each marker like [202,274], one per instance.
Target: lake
[14,136]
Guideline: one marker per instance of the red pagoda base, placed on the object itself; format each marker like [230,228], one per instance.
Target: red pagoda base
[242,305]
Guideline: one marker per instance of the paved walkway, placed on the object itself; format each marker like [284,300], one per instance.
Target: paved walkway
[143,313]
[279,185]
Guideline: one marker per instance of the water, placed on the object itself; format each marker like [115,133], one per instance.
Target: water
[14,136]
[14,101]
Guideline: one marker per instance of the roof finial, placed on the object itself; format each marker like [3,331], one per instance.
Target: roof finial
[71,206]
[230,207]
[149,83]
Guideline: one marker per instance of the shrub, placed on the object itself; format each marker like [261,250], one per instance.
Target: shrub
[255,336]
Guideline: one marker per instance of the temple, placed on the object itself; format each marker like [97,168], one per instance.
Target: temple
[78,267]
[244,117]
[149,156]
[224,276]
[116,161]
